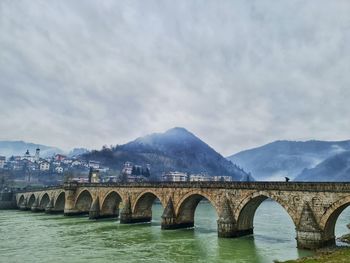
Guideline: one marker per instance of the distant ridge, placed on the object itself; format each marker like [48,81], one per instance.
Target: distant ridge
[333,169]
[278,159]
[174,150]
[18,148]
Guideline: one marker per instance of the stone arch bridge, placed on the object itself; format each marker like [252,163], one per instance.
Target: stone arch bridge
[313,207]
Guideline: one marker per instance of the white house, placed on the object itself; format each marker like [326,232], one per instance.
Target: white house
[2,161]
[59,169]
[76,163]
[127,169]
[80,179]
[175,177]
[44,166]
[222,178]
[94,164]
[67,161]
[200,178]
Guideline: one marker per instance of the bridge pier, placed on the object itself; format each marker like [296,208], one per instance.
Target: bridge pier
[171,224]
[94,212]
[313,239]
[114,214]
[134,220]
[69,205]
[35,206]
[309,233]
[127,217]
[227,226]
[169,220]
[23,205]
[126,213]
[49,208]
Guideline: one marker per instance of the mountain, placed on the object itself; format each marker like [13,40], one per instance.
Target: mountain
[77,151]
[175,150]
[18,148]
[334,169]
[278,159]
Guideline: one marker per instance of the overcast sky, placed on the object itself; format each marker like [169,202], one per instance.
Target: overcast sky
[238,74]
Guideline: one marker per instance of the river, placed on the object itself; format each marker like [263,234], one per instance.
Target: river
[38,237]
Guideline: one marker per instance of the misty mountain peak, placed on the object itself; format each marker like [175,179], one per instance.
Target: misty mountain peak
[178,131]
[176,149]
[176,135]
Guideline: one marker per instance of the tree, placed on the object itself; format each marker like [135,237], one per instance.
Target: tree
[146,172]
[2,181]
[133,171]
[123,178]
[68,176]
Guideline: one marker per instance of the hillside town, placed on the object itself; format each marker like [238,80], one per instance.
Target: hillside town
[32,169]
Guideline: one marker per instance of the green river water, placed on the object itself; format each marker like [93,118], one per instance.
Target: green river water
[37,237]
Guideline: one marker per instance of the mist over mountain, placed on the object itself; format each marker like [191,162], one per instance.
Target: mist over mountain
[278,159]
[175,150]
[77,151]
[18,148]
[334,169]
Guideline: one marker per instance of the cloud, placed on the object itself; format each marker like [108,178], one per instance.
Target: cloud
[236,73]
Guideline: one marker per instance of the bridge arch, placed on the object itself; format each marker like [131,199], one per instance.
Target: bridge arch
[110,204]
[44,201]
[142,207]
[329,218]
[83,202]
[59,202]
[31,200]
[20,200]
[245,211]
[186,208]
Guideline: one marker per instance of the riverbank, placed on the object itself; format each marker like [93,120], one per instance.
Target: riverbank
[7,200]
[335,255]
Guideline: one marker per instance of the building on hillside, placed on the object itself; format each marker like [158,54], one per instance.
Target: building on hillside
[76,163]
[37,155]
[103,169]
[60,157]
[94,176]
[127,169]
[28,157]
[94,164]
[80,179]
[200,178]
[112,179]
[2,162]
[135,173]
[56,163]
[67,161]
[59,169]
[222,178]
[175,177]
[44,166]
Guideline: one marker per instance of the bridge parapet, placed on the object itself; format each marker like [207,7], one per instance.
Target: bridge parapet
[283,186]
